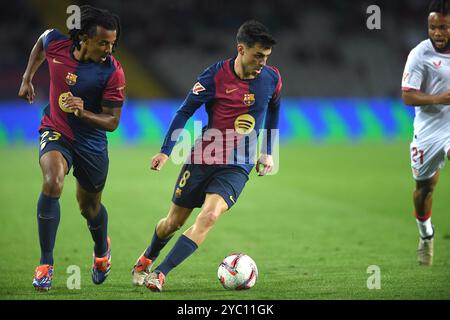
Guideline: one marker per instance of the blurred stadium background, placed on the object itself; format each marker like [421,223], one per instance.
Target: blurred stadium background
[344,155]
[341,80]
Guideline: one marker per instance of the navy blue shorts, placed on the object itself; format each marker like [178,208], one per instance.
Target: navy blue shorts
[196,180]
[90,169]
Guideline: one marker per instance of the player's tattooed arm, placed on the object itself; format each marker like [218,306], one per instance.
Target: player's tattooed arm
[37,56]
[108,120]
[419,98]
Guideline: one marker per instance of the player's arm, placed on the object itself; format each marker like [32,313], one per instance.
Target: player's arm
[202,92]
[414,97]
[37,56]
[183,114]
[412,82]
[265,162]
[271,125]
[107,120]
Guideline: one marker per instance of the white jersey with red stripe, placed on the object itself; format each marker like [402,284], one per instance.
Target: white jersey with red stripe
[429,71]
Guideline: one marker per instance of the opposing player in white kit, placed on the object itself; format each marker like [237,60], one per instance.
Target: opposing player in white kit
[426,86]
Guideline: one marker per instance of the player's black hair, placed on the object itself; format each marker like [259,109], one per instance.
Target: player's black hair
[92,17]
[252,32]
[440,6]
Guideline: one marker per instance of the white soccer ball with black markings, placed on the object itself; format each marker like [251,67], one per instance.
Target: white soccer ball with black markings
[237,272]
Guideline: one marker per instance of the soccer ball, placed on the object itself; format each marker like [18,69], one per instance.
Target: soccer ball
[237,272]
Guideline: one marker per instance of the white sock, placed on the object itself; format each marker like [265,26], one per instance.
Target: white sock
[425,228]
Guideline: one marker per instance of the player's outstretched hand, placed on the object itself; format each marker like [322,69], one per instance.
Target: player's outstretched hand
[158,161]
[266,161]
[26,91]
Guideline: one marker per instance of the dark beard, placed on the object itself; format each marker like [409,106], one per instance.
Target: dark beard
[441,50]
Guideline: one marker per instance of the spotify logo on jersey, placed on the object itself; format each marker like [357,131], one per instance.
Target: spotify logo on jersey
[244,124]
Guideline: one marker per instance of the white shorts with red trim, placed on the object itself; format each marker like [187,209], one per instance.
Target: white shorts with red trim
[427,158]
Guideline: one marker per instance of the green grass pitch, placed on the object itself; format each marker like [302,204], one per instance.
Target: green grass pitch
[313,229]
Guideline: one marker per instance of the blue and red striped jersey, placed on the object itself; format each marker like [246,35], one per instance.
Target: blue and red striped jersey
[98,84]
[233,106]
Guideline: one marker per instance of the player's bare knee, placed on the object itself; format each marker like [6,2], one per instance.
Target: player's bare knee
[424,191]
[53,184]
[208,218]
[174,221]
[428,188]
[88,214]
[167,227]
[173,226]
[89,210]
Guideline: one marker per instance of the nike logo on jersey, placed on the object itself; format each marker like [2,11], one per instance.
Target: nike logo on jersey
[198,88]
[231,198]
[230,90]
[437,64]
[57,62]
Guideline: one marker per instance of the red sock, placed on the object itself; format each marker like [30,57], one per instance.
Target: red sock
[423,218]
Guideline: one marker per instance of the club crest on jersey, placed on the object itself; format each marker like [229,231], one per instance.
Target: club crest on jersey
[244,124]
[249,99]
[71,78]
[198,88]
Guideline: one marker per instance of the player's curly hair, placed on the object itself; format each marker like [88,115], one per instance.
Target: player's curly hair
[92,17]
[252,32]
[440,6]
